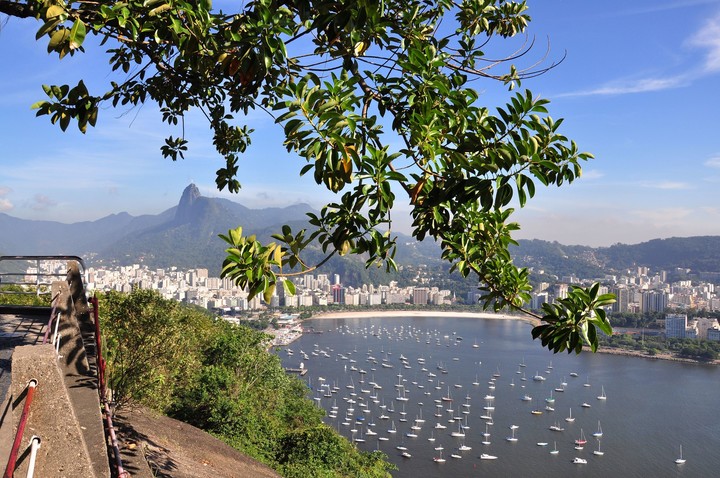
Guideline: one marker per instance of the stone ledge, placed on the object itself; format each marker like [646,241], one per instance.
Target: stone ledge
[63,452]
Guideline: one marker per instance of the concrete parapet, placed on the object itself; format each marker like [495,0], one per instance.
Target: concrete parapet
[63,452]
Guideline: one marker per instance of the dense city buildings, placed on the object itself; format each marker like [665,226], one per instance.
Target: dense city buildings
[639,291]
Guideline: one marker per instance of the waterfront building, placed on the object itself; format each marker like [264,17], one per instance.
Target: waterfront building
[420,295]
[675,325]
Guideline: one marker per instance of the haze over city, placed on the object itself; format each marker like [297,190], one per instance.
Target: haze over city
[637,88]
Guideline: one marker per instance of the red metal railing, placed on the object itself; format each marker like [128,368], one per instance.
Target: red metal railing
[121,473]
[12,459]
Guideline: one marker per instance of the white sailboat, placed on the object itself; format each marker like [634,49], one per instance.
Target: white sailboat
[598,452]
[602,394]
[680,460]
[459,433]
[599,431]
[512,438]
[570,418]
[554,451]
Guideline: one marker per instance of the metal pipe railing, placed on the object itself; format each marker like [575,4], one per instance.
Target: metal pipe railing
[12,459]
[34,447]
[102,389]
[38,274]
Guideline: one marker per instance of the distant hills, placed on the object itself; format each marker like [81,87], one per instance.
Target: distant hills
[186,236]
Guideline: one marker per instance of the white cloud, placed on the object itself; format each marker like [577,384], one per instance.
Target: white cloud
[42,203]
[643,85]
[4,191]
[6,205]
[709,37]
[662,216]
[713,162]
[668,185]
[592,174]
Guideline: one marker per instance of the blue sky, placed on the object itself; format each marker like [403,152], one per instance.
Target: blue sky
[639,88]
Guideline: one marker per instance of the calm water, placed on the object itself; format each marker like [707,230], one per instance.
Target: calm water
[652,407]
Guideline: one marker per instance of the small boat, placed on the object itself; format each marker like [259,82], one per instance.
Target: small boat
[439,459]
[586,405]
[556,427]
[581,441]
[573,374]
[570,417]
[602,395]
[579,461]
[598,452]
[406,454]
[554,451]
[459,432]
[485,456]
[599,431]
[542,443]
[680,460]
[512,438]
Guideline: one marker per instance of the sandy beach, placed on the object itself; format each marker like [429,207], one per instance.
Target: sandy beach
[421,313]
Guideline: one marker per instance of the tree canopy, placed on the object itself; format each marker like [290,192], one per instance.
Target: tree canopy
[376,99]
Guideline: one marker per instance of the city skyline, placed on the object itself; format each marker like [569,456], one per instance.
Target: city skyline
[635,89]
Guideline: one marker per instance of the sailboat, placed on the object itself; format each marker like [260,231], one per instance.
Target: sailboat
[570,418]
[680,460]
[599,432]
[439,459]
[459,432]
[602,394]
[512,438]
[598,452]
[581,441]
[554,451]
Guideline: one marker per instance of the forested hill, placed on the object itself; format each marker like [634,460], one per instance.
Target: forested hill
[700,254]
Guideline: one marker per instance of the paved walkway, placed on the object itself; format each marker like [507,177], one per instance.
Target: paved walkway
[15,330]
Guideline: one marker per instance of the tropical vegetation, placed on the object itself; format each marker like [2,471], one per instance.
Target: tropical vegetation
[221,378]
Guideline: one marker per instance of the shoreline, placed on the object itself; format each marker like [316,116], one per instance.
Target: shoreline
[379,314]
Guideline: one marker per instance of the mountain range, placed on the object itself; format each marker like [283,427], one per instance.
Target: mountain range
[186,236]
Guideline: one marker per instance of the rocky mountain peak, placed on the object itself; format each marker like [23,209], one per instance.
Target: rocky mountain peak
[189,197]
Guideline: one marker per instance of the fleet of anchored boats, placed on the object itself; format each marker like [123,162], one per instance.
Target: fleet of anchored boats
[364,404]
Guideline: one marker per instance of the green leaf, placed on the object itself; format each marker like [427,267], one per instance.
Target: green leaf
[77,34]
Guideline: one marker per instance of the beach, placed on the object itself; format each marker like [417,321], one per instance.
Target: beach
[422,313]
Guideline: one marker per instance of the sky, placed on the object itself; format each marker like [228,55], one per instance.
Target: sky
[639,88]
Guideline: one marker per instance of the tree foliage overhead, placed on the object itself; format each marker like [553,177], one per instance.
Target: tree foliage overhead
[376,98]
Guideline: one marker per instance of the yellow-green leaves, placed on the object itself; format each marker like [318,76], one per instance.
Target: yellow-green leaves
[252,265]
[573,321]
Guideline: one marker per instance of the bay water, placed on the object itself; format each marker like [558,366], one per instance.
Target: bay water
[652,407]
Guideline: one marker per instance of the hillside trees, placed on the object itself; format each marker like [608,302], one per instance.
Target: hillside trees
[220,378]
[375,98]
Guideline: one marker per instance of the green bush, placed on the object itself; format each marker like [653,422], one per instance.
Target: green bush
[221,378]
